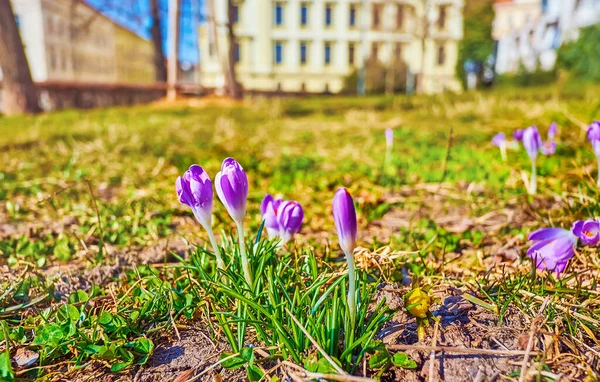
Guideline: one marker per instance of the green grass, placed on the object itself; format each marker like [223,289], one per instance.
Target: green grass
[76,187]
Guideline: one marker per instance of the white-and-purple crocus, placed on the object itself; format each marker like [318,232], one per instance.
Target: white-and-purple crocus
[232,187]
[518,135]
[499,140]
[553,248]
[283,219]
[532,143]
[344,216]
[549,147]
[593,135]
[194,189]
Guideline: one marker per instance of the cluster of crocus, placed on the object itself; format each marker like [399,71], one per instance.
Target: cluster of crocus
[593,135]
[283,219]
[194,189]
[533,144]
[499,140]
[554,247]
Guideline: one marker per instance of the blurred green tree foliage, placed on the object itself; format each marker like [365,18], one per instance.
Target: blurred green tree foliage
[582,57]
[477,43]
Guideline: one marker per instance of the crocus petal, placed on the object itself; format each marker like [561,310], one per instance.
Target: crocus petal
[577,227]
[590,232]
[548,148]
[499,139]
[389,137]
[548,233]
[268,199]
[182,188]
[552,131]
[518,135]
[290,219]
[532,141]
[548,253]
[232,187]
[344,216]
[593,135]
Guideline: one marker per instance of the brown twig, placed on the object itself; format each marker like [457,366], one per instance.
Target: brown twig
[451,349]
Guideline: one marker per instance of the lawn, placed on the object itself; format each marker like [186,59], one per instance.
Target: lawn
[105,275]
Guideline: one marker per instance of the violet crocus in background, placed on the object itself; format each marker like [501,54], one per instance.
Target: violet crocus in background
[499,141]
[518,135]
[282,218]
[344,216]
[194,189]
[389,144]
[532,143]
[593,135]
[553,248]
[232,187]
[549,147]
[588,231]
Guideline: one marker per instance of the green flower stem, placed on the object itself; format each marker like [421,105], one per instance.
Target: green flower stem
[533,180]
[215,245]
[503,151]
[245,263]
[351,288]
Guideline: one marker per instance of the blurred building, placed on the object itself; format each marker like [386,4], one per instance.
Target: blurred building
[529,32]
[70,41]
[312,46]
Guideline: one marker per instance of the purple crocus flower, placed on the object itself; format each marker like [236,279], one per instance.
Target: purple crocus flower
[389,138]
[282,218]
[232,187]
[593,135]
[344,216]
[552,131]
[553,248]
[548,148]
[532,143]
[290,219]
[588,231]
[518,135]
[194,189]
[499,140]
[268,209]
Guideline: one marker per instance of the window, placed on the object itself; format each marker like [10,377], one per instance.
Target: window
[544,6]
[303,53]
[278,14]
[351,49]
[352,21]
[303,14]
[327,53]
[236,14]
[278,52]
[442,17]
[376,16]
[328,15]
[374,50]
[400,16]
[441,56]
[236,52]
[52,56]
[18,21]
[398,52]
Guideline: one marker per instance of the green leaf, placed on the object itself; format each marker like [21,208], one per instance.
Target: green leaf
[68,313]
[62,250]
[233,362]
[254,373]
[6,370]
[78,296]
[402,360]
[141,345]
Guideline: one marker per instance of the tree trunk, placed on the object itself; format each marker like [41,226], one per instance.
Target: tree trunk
[19,91]
[157,41]
[235,90]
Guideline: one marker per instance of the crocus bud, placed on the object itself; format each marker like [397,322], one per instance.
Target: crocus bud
[499,140]
[269,209]
[532,141]
[389,137]
[593,135]
[518,135]
[552,131]
[232,187]
[290,216]
[194,189]
[344,216]
[553,248]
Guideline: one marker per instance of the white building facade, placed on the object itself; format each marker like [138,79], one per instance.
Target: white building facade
[313,45]
[528,33]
